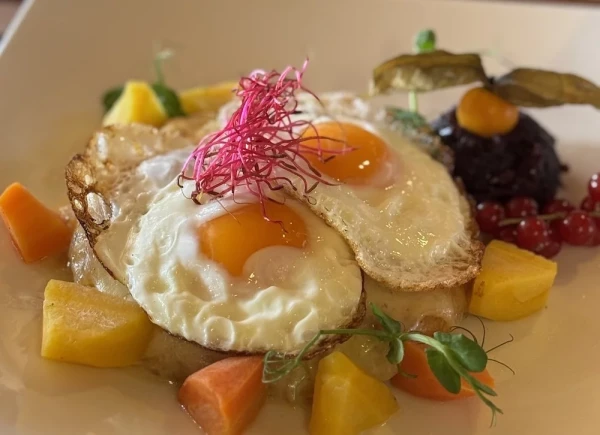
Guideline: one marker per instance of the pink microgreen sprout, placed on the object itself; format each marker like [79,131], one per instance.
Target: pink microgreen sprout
[261,146]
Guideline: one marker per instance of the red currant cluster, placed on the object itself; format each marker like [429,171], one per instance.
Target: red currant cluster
[519,222]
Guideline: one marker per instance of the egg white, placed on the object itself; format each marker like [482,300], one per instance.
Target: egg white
[284,297]
[134,191]
[408,219]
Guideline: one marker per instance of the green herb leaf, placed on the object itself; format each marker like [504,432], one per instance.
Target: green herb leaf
[427,71]
[479,388]
[169,100]
[408,120]
[425,41]
[110,97]
[529,87]
[467,352]
[390,325]
[443,371]
[395,354]
[479,385]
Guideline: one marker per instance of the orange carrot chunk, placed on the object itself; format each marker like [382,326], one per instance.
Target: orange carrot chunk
[225,397]
[37,232]
[425,384]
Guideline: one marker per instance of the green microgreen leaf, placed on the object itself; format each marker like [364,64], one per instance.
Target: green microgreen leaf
[425,41]
[169,100]
[389,325]
[443,371]
[480,389]
[395,354]
[479,385]
[110,97]
[468,353]
[408,120]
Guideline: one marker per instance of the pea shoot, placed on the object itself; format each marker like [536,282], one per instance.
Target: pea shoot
[451,357]
[424,43]
[411,120]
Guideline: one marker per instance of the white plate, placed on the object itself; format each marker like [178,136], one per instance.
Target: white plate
[64,54]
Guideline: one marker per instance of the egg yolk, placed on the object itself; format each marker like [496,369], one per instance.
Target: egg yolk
[233,237]
[366,151]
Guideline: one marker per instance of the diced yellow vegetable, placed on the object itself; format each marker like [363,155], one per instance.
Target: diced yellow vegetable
[209,98]
[138,103]
[513,283]
[85,326]
[346,400]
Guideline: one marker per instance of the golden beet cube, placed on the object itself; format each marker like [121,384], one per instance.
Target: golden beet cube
[346,400]
[209,98]
[84,326]
[137,104]
[513,283]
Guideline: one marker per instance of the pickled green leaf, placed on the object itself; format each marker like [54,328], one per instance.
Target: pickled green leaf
[427,71]
[529,87]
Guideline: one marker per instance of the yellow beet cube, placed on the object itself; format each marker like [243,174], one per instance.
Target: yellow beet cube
[346,400]
[513,283]
[137,104]
[82,325]
[209,98]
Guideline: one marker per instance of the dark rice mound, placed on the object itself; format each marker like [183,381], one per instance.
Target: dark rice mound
[521,163]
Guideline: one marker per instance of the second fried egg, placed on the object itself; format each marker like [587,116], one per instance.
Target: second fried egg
[400,210]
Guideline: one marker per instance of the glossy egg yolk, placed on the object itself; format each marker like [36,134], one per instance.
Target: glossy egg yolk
[232,238]
[366,152]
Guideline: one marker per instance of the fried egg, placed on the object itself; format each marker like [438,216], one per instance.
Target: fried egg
[221,275]
[217,273]
[399,209]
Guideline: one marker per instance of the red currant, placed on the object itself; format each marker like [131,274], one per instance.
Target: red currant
[596,241]
[554,232]
[507,234]
[589,204]
[578,229]
[532,234]
[521,206]
[557,206]
[489,215]
[594,187]
[550,249]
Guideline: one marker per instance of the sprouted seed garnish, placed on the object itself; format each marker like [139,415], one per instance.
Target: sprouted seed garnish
[260,148]
[451,357]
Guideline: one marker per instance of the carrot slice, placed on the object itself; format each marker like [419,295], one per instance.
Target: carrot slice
[225,397]
[36,231]
[425,384]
